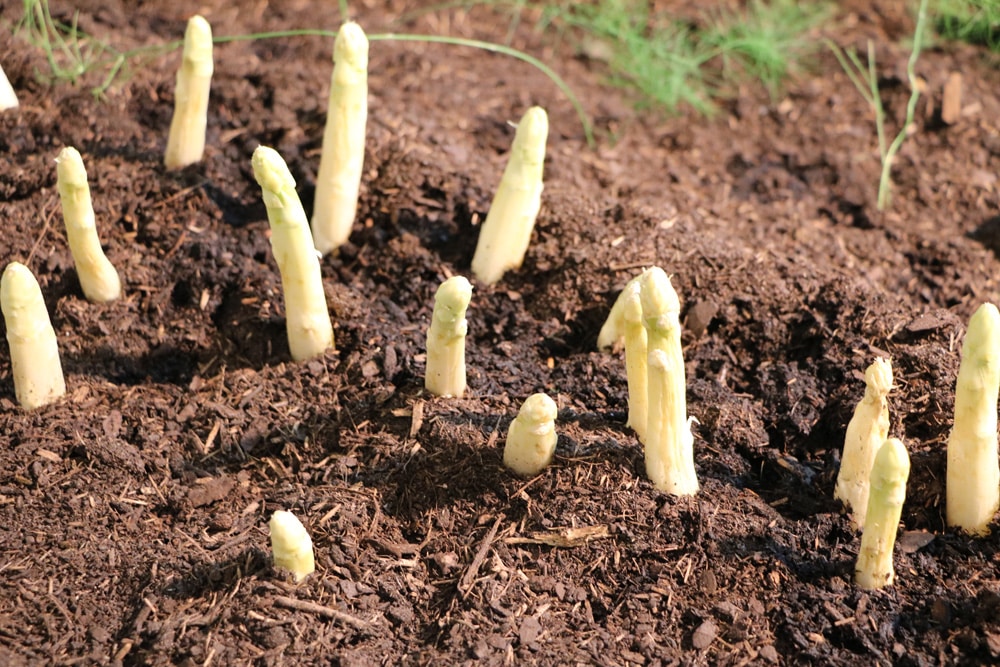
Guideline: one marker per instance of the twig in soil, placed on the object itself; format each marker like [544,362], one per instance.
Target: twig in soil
[469,578]
[322,610]
[565,537]
[45,230]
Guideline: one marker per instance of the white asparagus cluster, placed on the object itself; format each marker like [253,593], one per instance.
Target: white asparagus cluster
[866,432]
[310,331]
[34,352]
[669,445]
[531,439]
[343,156]
[291,545]
[504,237]
[889,474]
[98,277]
[972,485]
[446,338]
[8,98]
[186,142]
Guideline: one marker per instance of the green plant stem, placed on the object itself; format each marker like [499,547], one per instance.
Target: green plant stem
[588,129]
[885,181]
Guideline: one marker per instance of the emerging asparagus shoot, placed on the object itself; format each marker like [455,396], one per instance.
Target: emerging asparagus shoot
[343,156]
[885,504]
[291,545]
[613,330]
[669,445]
[446,339]
[636,354]
[310,332]
[34,353]
[98,278]
[504,237]
[186,142]
[8,99]
[531,440]
[866,433]
[972,487]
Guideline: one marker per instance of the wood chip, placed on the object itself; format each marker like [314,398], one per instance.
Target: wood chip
[566,538]
[951,103]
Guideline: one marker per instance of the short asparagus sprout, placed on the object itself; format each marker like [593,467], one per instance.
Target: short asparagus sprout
[343,156]
[613,331]
[186,142]
[669,445]
[98,277]
[8,99]
[34,353]
[885,504]
[636,359]
[291,545]
[972,487]
[531,440]
[866,432]
[504,238]
[310,332]
[446,339]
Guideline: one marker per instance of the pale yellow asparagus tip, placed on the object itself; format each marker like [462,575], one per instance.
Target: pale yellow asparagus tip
[972,486]
[307,320]
[291,545]
[636,361]
[342,159]
[446,338]
[531,440]
[889,474]
[866,432]
[98,278]
[186,141]
[669,444]
[613,330]
[8,99]
[504,237]
[34,352]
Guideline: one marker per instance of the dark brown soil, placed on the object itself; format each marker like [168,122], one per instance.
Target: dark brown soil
[133,513]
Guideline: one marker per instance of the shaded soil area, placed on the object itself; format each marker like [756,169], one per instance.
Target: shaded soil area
[133,513]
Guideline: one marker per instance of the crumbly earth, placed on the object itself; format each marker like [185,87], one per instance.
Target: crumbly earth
[133,513]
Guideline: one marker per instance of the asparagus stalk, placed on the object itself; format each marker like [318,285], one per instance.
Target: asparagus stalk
[446,339]
[34,353]
[531,439]
[186,141]
[291,545]
[866,433]
[503,239]
[307,319]
[98,277]
[669,445]
[885,504]
[972,488]
[8,98]
[613,331]
[343,156]
[636,353]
